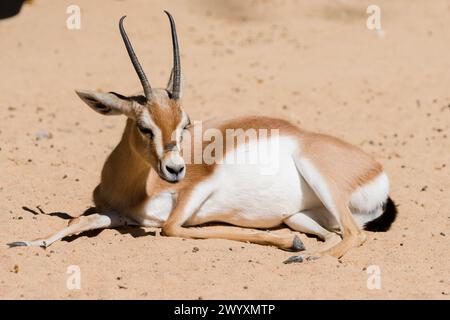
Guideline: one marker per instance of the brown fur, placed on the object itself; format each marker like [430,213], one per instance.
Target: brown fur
[166,118]
[344,166]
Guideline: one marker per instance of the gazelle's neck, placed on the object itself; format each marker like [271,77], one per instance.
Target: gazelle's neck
[124,177]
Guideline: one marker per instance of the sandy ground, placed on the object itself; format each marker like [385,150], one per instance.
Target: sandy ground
[313,62]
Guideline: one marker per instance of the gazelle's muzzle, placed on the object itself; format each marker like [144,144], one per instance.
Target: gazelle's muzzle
[172,167]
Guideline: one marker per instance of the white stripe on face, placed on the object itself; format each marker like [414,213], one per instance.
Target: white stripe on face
[157,134]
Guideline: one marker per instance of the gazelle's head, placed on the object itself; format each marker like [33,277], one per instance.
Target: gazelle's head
[158,119]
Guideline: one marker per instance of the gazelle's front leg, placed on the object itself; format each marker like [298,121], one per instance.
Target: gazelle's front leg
[189,201]
[78,225]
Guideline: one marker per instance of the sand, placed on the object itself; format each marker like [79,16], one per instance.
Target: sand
[314,63]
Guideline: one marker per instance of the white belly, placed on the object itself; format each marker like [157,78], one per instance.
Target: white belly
[260,194]
[249,192]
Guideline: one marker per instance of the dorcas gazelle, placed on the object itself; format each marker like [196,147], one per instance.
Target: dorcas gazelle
[321,186]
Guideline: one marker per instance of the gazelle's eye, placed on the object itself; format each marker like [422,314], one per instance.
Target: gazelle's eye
[146,131]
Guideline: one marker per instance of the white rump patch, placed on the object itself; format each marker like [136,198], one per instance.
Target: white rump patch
[372,195]
[367,201]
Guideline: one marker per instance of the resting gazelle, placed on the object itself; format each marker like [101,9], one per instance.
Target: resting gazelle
[323,187]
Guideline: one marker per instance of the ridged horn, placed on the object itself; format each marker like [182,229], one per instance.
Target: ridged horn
[134,60]
[176,84]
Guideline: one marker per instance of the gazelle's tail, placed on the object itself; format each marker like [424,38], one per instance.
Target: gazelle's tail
[383,222]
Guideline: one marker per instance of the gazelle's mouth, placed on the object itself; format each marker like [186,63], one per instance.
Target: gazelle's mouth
[170,175]
[170,179]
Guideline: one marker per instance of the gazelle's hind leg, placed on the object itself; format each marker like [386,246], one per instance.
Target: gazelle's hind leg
[312,221]
[78,225]
[337,204]
[303,222]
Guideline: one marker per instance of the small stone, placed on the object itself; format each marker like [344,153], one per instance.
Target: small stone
[42,134]
[195,249]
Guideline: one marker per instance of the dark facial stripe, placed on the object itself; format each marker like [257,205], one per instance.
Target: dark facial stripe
[169,146]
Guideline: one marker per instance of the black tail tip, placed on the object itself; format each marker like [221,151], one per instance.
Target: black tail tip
[383,222]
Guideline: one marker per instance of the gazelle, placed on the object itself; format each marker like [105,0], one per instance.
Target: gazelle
[322,186]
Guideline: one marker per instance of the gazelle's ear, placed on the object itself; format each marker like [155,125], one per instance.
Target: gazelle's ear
[106,103]
[170,84]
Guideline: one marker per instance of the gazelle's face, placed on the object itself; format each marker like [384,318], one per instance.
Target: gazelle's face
[158,131]
[157,117]
[157,127]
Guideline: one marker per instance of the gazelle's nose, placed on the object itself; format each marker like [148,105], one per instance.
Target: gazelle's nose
[175,169]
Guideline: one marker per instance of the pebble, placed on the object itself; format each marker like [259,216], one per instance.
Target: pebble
[42,134]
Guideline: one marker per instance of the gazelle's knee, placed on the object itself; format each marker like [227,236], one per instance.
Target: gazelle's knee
[170,230]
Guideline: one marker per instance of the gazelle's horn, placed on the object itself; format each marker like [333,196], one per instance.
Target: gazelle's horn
[137,66]
[176,87]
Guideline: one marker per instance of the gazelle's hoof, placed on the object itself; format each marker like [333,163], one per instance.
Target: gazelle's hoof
[17,244]
[300,259]
[294,259]
[40,243]
[297,245]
